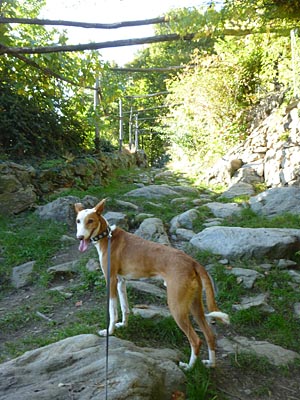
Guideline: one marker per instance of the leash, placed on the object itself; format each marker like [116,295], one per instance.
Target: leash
[109,235]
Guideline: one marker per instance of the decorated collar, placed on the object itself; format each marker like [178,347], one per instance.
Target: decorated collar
[107,232]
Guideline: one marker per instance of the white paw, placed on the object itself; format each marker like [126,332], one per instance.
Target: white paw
[184,366]
[103,332]
[208,363]
[120,324]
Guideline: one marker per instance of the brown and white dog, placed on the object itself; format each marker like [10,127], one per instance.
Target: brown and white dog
[132,258]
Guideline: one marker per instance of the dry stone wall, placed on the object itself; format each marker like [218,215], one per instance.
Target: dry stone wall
[271,153]
[22,186]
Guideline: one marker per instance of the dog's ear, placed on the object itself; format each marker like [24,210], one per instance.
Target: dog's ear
[78,207]
[100,206]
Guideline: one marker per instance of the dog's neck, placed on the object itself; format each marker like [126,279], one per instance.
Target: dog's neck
[107,232]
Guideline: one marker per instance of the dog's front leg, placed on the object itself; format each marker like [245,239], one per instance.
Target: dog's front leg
[123,302]
[113,308]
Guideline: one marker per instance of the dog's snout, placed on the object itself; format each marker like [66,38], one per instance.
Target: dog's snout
[80,237]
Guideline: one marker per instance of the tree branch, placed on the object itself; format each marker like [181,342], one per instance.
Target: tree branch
[115,25]
[93,46]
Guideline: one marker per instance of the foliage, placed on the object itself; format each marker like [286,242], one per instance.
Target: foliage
[40,113]
[211,100]
[238,54]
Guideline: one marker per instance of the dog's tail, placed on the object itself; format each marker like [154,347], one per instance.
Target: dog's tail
[213,309]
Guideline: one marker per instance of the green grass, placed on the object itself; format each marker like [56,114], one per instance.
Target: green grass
[249,219]
[200,384]
[17,319]
[278,327]
[249,361]
[28,238]
[160,332]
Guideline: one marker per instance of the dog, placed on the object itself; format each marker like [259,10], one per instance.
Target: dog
[133,257]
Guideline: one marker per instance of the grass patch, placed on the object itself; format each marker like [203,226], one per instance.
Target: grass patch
[228,291]
[250,361]
[278,327]
[249,219]
[153,333]
[200,383]
[16,320]
[28,238]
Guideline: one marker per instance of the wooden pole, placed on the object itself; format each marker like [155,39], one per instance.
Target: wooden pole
[96,107]
[130,129]
[136,132]
[294,62]
[120,125]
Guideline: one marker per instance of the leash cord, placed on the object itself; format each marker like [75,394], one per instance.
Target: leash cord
[107,314]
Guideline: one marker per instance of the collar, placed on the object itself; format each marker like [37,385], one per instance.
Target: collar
[106,233]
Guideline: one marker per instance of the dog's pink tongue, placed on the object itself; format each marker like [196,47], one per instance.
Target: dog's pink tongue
[83,245]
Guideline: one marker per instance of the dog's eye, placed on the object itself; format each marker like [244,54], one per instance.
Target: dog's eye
[78,221]
[90,221]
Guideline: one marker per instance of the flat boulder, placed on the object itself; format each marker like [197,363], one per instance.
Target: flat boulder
[277,201]
[153,192]
[75,368]
[236,242]
[276,355]
[224,210]
[238,189]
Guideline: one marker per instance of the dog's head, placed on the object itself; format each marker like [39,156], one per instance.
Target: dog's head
[89,223]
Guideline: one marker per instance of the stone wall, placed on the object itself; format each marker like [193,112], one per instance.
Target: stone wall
[22,186]
[271,154]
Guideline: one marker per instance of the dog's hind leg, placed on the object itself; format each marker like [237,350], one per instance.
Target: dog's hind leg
[197,311]
[123,302]
[179,302]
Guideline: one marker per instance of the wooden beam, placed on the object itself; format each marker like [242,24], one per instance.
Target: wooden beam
[162,69]
[93,46]
[142,96]
[114,25]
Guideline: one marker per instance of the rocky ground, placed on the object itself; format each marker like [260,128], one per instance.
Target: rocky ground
[241,373]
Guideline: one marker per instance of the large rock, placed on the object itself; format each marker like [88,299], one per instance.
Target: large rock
[153,192]
[75,368]
[184,220]
[117,218]
[62,209]
[234,242]
[277,201]
[153,229]
[21,275]
[224,210]
[245,276]
[238,189]
[276,355]
[16,191]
